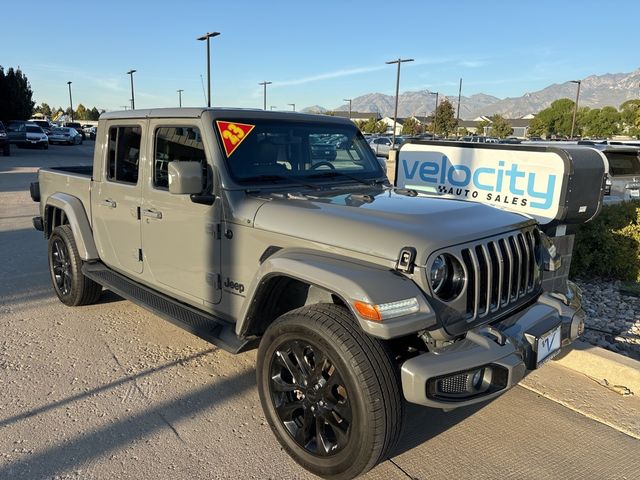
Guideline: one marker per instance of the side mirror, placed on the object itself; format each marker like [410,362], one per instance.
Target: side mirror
[185,177]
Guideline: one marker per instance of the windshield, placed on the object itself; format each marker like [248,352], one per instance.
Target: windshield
[274,151]
[34,129]
[623,163]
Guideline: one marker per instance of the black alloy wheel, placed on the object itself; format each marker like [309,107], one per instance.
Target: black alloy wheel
[330,393]
[310,397]
[61,273]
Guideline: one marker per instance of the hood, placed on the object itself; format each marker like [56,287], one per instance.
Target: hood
[380,222]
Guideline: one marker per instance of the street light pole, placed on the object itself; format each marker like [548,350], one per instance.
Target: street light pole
[133,102]
[395,113]
[264,84]
[435,114]
[180,97]
[575,107]
[348,100]
[458,113]
[292,105]
[70,100]
[206,37]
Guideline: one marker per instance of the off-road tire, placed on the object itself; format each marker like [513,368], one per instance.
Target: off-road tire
[65,267]
[371,380]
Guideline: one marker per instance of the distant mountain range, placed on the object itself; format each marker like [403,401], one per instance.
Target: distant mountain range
[596,91]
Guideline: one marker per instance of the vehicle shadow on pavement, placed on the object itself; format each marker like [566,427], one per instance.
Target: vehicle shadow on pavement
[422,424]
[124,431]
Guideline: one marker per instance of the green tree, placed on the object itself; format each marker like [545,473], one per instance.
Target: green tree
[374,126]
[481,126]
[16,101]
[630,117]
[94,114]
[81,112]
[555,120]
[44,109]
[410,127]
[499,127]
[602,123]
[445,121]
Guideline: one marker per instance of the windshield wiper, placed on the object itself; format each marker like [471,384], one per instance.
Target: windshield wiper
[275,178]
[335,173]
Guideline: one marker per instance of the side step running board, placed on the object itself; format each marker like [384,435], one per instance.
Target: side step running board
[202,324]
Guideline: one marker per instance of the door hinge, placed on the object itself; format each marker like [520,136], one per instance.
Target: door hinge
[215,230]
[139,214]
[140,257]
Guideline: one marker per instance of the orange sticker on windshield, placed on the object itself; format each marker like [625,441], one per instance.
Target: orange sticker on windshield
[233,134]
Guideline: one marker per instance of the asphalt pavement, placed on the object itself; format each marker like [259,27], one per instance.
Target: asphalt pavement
[111,391]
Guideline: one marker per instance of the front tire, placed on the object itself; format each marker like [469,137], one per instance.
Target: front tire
[330,393]
[65,266]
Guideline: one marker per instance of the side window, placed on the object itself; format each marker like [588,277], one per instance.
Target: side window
[177,144]
[124,154]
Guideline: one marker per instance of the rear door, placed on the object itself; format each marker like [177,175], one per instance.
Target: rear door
[116,199]
[180,238]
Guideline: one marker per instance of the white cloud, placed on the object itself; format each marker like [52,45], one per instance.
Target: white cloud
[327,76]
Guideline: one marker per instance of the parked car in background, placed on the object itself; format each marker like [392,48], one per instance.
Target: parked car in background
[45,125]
[382,145]
[480,139]
[77,127]
[5,146]
[89,131]
[17,132]
[66,135]
[36,136]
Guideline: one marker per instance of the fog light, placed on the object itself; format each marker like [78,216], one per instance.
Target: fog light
[476,380]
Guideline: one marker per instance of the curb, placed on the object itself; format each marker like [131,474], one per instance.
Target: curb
[613,370]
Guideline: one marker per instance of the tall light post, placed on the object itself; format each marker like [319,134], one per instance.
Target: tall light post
[293,105]
[264,84]
[133,102]
[458,113]
[206,37]
[180,97]
[575,107]
[70,100]
[395,112]
[435,114]
[348,100]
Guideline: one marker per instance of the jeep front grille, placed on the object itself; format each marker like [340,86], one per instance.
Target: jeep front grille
[500,271]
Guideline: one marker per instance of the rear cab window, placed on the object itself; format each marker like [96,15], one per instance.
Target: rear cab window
[123,154]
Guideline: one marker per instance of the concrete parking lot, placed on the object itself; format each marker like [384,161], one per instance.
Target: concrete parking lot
[111,391]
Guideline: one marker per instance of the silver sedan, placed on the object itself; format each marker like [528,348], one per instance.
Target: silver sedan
[65,135]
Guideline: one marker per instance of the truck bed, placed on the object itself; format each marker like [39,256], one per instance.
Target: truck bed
[72,180]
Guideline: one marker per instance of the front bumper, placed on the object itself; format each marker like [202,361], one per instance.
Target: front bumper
[490,359]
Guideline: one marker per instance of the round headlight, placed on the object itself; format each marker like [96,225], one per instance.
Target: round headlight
[446,277]
[439,273]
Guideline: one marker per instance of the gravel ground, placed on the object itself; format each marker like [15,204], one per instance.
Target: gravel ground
[613,319]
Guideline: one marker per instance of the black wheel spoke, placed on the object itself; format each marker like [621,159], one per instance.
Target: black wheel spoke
[305,433]
[322,443]
[280,385]
[320,363]
[339,426]
[298,351]
[294,371]
[288,408]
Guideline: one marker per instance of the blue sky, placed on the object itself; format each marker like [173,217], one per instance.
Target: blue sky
[313,52]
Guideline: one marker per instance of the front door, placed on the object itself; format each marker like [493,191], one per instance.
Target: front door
[116,198]
[180,238]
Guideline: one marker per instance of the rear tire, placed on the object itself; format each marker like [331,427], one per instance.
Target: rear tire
[65,266]
[330,393]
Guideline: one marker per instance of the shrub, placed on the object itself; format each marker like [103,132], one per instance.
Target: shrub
[609,246]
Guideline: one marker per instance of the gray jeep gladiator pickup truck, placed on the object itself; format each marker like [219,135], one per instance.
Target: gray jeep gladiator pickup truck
[358,295]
